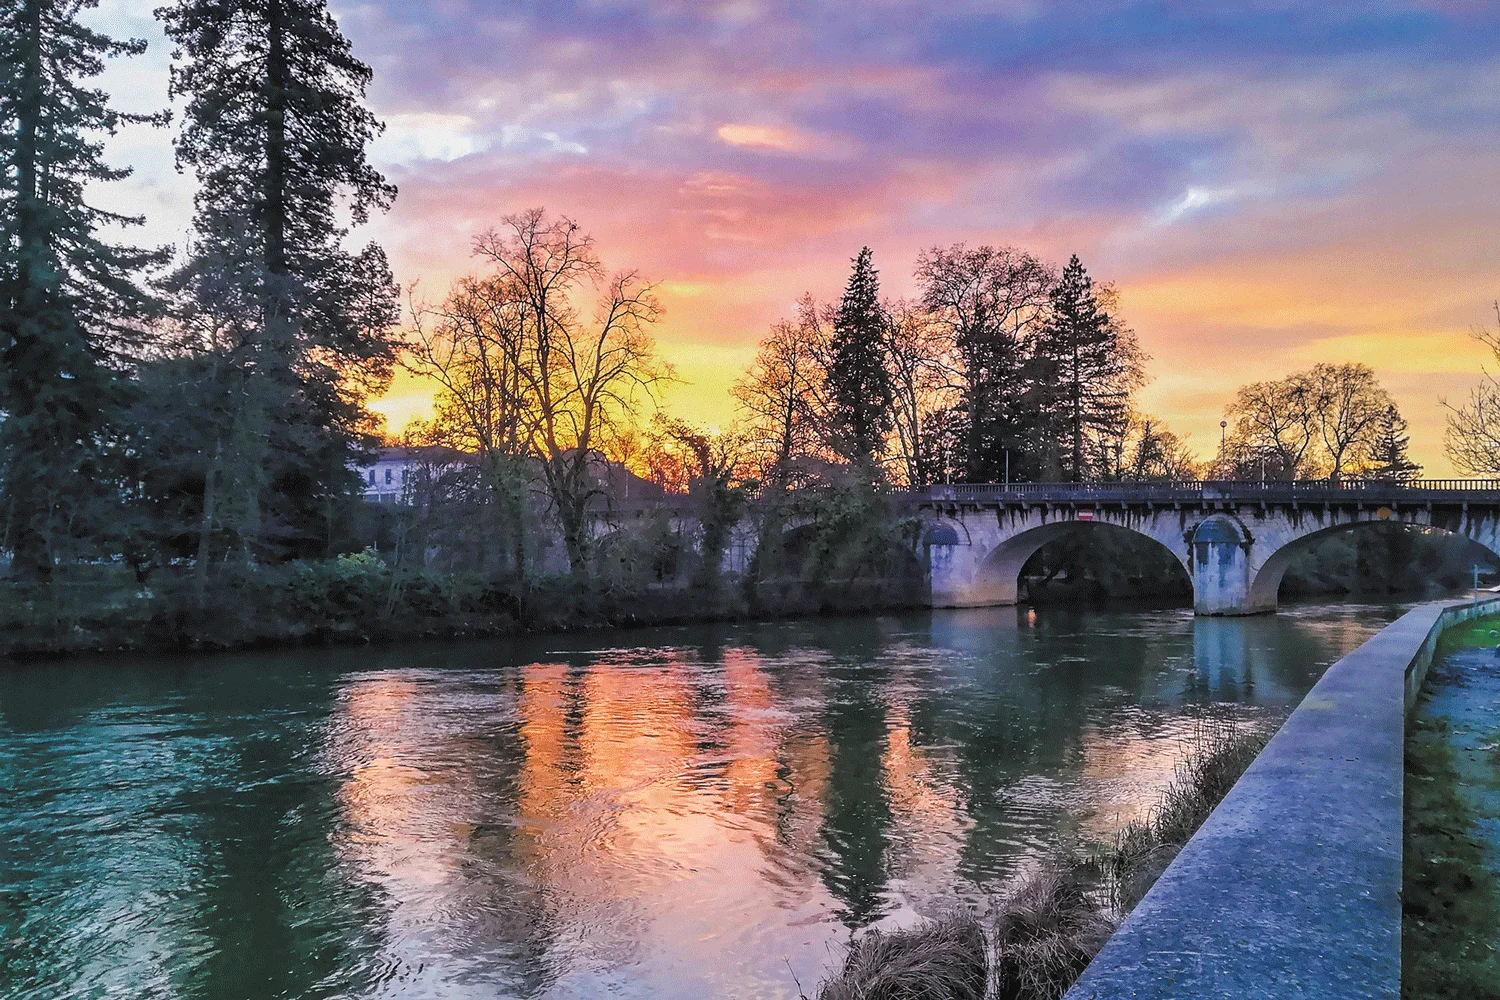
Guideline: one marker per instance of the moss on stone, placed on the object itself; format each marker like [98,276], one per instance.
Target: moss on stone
[1450,924]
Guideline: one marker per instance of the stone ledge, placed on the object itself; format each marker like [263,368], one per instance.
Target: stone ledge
[1292,888]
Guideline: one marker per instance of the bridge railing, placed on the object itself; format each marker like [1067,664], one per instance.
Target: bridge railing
[1197,489]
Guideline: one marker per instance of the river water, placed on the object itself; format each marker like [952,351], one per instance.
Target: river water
[690,812]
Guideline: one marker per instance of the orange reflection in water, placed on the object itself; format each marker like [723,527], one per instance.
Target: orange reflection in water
[650,808]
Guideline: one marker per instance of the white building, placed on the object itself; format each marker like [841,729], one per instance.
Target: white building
[395,470]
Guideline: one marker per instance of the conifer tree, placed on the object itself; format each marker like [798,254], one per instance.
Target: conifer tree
[70,304]
[1389,458]
[276,129]
[859,381]
[1083,373]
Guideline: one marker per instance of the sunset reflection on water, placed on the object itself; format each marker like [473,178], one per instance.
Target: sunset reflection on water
[722,815]
[669,813]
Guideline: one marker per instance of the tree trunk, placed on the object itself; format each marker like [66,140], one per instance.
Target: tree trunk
[205,528]
[275,189]
[25,351]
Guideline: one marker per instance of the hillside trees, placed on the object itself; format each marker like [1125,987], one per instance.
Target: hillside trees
[71,307]
[276,130]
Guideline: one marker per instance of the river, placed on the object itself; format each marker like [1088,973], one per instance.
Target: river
[689,812]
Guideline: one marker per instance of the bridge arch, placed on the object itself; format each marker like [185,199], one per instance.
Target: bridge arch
[1265,585]
[998,577]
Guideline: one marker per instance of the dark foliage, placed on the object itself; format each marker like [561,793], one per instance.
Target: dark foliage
[70,307]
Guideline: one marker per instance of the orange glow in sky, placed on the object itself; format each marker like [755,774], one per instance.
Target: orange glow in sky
[1268,185]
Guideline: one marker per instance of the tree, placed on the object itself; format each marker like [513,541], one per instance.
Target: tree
[1277,417]
[1349,409]
[1388,459]
[531,367]
[784,394]
[859,386]
[709,466]
[71,308]
[1325,420]
[276,129]
[1085,366]
[474,347]
[1472,438]
[1156,454]
[922,373]
[990,300]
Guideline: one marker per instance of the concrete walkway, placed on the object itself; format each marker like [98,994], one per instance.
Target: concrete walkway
[1292,887]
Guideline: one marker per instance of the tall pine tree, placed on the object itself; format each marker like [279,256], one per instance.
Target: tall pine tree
[859,381]
[1083,373]
[1388,458]
[70,305]
[276,129]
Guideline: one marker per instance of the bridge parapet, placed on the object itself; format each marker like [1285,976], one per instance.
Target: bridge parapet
[1316,490]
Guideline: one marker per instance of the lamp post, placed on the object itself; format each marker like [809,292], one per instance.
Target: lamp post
[1223,444]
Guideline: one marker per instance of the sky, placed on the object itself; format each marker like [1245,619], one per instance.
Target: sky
[1267,184]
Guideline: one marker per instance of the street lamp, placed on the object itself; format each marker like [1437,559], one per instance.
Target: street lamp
[1223,439]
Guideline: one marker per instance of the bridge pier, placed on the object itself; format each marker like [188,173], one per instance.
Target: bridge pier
[1219,563]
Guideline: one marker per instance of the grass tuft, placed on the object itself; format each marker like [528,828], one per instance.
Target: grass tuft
[943,959]
[1218,754]
[1047,932]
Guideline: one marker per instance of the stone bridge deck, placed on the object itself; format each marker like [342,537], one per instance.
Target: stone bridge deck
[1234,539]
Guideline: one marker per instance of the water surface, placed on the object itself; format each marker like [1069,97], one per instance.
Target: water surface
[693,812]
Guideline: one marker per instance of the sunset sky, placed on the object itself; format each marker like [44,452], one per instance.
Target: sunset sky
[1268,184]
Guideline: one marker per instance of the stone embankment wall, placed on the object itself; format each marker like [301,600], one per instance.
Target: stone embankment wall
[1292,888]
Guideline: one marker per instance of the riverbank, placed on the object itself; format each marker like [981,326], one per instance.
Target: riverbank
[1451,884]
[358,599]
[1047,929]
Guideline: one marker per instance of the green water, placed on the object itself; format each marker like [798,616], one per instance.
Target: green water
[690,812]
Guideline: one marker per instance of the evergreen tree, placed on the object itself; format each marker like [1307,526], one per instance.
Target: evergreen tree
[1083,372]
[276,129]
[70,306]
[859,381]
[1388,458]
[990,299]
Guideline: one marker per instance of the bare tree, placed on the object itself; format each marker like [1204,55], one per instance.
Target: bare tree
[924,374]
[1277,416]
[1348,408]
[1472,438]
[474,347]
[784,394]
[1156,454]
[526,370]
[989,299]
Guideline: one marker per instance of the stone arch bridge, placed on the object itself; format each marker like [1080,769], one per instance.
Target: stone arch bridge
[1234,539]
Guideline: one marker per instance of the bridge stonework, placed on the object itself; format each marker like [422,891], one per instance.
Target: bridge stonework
[1234,540]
